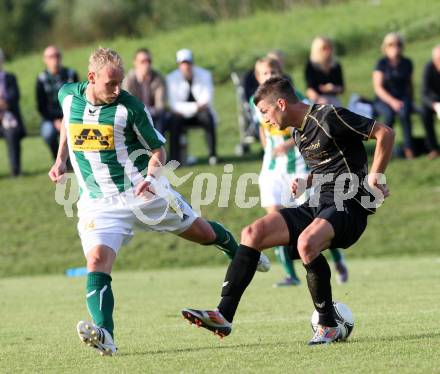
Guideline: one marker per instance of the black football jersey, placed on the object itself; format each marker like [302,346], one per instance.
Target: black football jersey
[331,142]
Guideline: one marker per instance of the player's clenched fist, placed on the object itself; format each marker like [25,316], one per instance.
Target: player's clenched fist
[57,171]
[377,181]
[298,187]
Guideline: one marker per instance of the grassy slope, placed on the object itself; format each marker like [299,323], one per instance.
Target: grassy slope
[270,330]
[36,237]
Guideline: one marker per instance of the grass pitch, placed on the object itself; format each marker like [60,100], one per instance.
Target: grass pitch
[395,303]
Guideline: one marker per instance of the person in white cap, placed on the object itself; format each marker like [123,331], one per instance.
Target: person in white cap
[190,95]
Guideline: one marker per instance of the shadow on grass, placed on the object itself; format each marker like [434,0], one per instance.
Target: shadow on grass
[198,349]
[409,337]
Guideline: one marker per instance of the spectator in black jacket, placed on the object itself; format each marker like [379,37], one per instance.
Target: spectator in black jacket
[11,124]
[431,101]
[48,84]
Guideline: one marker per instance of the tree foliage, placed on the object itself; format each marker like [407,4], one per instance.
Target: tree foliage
[30,24]
[22,25]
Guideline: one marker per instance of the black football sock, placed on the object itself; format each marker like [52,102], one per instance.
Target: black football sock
[240,272]
[318,280]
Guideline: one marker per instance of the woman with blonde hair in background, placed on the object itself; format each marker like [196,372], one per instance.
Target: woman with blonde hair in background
[392,82]
[323,73]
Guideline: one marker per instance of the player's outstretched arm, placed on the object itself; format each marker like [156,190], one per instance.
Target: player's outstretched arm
[283,148]
[384,136]
[59,167]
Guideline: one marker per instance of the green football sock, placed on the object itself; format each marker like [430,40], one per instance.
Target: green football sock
[100,300]
[336,254]
[224,240]
[282,254]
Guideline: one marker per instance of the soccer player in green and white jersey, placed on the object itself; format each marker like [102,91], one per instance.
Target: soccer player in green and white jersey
[282,163]
[117,157]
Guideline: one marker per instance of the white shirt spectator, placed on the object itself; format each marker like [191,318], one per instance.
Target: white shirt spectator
[178,89]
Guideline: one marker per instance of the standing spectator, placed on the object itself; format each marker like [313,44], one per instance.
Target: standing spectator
[392,81]
[323,73]
[190,94]
[48,84]
[431,100]
[148,86]
[11,123]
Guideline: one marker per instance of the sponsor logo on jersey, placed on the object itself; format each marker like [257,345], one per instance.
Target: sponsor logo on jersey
[313,146]
[88,137]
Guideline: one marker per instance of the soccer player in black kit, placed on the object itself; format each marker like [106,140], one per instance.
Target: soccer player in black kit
[330,140]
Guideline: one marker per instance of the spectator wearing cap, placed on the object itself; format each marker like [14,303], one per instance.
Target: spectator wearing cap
[148,86]
[190,95]
[48,84]
[11,124]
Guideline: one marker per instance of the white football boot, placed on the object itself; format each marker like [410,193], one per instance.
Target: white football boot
[326,335]
[263,263]
[96,337]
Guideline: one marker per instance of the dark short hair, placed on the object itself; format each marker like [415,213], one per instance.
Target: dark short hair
[143,50]
[275,88]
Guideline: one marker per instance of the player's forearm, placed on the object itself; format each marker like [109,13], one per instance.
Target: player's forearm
[383,151]
[262,137]
[289,144]
[157,160]
[63,149]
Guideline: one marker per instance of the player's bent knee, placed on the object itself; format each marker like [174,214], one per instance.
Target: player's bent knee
[253,234]
[306,249]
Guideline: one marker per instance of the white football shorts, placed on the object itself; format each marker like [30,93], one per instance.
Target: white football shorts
[110,221]
[275,189]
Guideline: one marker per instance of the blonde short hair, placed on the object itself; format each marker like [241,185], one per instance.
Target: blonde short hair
[272,63]
[104,56]
[316,55]
[392,37]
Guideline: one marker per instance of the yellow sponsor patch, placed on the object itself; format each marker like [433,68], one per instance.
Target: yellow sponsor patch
[88,137]
[274,131]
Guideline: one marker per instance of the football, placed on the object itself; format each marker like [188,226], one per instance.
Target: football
[344,318]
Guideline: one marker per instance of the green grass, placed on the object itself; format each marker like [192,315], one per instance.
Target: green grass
[394,302]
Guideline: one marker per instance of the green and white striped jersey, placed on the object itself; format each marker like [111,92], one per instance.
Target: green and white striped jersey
[102,139]
[289,163]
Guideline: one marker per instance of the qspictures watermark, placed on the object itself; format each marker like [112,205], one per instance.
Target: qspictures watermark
[223,191]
